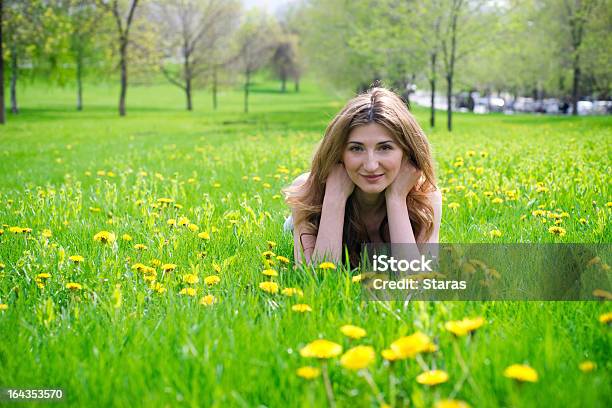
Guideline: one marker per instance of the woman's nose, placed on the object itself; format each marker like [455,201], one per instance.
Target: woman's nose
[371,163]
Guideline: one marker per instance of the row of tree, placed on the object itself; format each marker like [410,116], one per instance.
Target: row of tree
[524,47]
[192,43]
[559,48]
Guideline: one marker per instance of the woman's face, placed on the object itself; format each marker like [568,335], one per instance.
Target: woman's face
[372,158]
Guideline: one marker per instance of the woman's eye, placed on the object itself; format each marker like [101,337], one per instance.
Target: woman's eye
[386,147]
[355,148]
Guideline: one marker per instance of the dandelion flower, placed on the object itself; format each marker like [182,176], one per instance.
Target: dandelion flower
[74,286]
[605,318]
[292,292]
[169,267]
[3,306]
[76,258]
[321,348]
[193,227]
[105,237]
[389,355]
[354,332]
[497,200]
[556,230]
[495,233]
[410,346]
[358,357]
[190,279]
[587,366]
[270,272]
[46,233]
[204,235]
[327,265]
[126,237]
[188,291]
[2,266]
[268,254]
[462,327]
[208,300]
[521,372]
[140,247]
[270,287]
[453,206]
[449,403]
[301,308]
[282,259]
[433,377]
[271,244]
[308,372]
[212,280]
[157,287]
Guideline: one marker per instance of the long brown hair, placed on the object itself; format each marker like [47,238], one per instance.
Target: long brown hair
[377,105]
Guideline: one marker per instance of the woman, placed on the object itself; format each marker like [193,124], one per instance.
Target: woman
[372,180]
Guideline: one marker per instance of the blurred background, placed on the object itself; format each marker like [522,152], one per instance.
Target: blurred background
[542,56]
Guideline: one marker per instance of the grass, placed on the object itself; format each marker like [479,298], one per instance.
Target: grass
[78,173]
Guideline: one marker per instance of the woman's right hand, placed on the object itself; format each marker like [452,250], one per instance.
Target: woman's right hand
[339,184]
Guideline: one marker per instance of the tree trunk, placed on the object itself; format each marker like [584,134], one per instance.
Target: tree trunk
[449,101]
[79,78]
[432,82]
[2,119]
[576,84]
[214,88]
[14,107]
[284,85]
[124,83]
[297,85]
[188,93]
[246,91]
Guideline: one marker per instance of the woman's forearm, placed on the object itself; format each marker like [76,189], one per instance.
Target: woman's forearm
[329,237]
[400,229]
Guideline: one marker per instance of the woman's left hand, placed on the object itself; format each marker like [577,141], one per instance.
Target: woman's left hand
[405,181]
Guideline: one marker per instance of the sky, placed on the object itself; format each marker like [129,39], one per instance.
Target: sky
[270,5]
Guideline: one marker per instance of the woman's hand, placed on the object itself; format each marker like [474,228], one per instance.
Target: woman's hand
[405,181]
[339,184]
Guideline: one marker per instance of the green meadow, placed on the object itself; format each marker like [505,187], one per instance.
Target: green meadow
[138,321]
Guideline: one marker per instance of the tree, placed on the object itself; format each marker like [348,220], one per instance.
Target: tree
[255,43]
[124,24]
[285,60]
[192,31]
[2,120]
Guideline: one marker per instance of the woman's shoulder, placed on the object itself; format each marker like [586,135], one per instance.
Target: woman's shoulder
[301,179]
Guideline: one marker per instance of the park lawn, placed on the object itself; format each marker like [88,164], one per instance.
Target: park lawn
[118,341]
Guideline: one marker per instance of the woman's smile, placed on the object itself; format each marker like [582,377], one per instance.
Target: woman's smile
[373,178]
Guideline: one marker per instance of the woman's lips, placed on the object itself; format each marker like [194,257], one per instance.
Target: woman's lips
[372,179]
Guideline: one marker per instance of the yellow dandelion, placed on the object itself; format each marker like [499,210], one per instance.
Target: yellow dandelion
[321,348]
[270,272]
[410,346]
[193,227]
[358,357]
[140,247]
[462,327]
[389,355]
[521,372]
[497,200]
[43,276]
[282,259]
[268,254]
[327,265]
[3,306]
[556,230]
[212,280]
[2,266]
[301,308]
[183,221]
[105,237]
[495,233]
[450,403]
[190,279]
[354,332]
[308,372]
[46,233]
[587,366]
[292,292]
[76,258]
[171,222]
[433,377]
[157,287]
[208,300]
[605,318]
[126,237]
[270,287]
[271,244]
[169,267]
[204,235]
[74,286]
[453,205]
[188,292]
